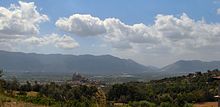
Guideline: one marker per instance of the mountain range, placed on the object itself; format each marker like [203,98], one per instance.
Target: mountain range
[191,66]
[91,64]
[103,64]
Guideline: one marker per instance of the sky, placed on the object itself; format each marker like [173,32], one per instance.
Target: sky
[150,32]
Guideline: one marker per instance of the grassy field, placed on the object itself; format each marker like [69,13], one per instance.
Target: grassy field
[6,101]
[19,104]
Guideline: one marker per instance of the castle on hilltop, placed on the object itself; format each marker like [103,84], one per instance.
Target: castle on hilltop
[77,77]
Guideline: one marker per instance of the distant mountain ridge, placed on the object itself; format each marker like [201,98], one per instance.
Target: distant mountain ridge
[103,64]
[191,66]
[91,64]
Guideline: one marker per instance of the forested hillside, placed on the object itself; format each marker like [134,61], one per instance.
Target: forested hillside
[168,92]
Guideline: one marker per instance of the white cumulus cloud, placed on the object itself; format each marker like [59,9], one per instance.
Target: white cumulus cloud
[19,29]
[20,20]
[84,25]
[176,33]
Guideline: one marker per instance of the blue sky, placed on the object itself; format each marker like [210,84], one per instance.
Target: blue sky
[129,12]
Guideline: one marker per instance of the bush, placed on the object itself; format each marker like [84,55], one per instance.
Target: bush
[167,104]
[36,100]
[188,105]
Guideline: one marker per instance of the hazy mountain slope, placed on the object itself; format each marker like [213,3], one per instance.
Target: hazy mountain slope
[104,64]
[191,66]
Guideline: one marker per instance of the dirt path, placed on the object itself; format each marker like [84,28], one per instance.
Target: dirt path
[206,104]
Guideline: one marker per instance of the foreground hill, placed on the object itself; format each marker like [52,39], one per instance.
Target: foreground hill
[104,64]
[191,66]
[180,91]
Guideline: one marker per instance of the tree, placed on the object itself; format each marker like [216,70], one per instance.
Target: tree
[36,87]
[1,72]
[2,82]
[26,87]
[14,84]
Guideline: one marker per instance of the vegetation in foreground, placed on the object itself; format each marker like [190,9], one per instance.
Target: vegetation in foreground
[52,94]
[182,91]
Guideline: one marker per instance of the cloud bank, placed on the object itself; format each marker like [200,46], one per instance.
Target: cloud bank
[172,33]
